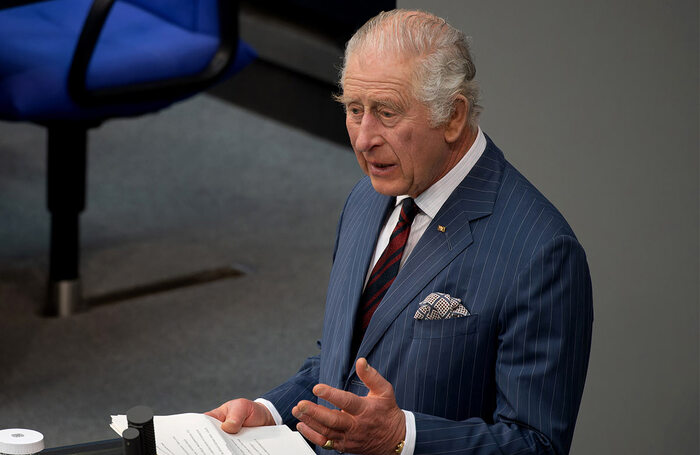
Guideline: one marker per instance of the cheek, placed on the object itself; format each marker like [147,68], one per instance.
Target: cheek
[404,139]
[405,150]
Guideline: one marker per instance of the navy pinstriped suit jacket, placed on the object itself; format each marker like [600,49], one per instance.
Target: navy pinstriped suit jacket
[506,380]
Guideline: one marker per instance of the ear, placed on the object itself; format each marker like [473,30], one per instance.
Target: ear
[458,122]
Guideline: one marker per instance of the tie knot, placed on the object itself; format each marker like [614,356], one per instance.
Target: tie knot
[409,209]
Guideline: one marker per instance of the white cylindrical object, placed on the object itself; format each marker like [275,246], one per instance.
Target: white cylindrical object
[19,441]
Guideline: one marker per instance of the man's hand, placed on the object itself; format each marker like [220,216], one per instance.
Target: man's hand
[241,413]
[371,425]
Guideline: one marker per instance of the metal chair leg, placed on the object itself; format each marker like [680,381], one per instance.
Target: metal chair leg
[67,159]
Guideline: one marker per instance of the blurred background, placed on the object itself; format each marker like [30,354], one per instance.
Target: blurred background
[596,102]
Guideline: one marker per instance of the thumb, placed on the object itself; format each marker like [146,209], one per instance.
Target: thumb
[217,414]
[374,381]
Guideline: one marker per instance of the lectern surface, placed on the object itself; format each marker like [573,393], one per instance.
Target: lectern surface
[108,447]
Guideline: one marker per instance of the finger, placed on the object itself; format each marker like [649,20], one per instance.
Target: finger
[325,421]
[374,381]
[347,401]
[322,430]
[316,437]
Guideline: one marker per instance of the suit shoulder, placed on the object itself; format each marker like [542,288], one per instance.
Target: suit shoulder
[517,194]
[519,206]
[524,224]
[515,197]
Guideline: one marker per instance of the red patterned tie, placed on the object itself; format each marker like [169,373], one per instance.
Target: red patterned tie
[385,270]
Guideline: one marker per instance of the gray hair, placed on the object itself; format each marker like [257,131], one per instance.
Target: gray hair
[444,66]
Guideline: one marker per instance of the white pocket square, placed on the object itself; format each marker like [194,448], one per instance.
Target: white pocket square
[440,306]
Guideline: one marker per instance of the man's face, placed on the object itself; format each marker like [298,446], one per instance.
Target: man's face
[389,129]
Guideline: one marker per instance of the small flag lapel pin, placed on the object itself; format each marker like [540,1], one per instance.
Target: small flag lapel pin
[441,228]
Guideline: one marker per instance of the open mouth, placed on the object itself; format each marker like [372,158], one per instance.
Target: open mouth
[379,169]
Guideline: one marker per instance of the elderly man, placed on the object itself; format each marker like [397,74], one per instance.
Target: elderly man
[453,277]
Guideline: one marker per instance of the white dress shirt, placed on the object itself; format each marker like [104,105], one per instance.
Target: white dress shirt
[429,203]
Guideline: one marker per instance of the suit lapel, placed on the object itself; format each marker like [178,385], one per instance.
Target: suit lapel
[472,199]
[364,244]
[358,247]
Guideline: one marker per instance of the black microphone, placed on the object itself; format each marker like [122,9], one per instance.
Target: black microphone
[141,418]
[132,441]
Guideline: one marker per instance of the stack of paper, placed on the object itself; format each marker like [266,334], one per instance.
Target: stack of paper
[198,434]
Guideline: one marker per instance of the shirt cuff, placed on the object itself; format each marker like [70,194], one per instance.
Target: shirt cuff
[409,442]
[276,415]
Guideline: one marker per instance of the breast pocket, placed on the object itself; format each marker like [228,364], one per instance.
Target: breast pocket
[442,328]
[443,357]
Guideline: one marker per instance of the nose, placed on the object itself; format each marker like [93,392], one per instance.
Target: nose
[368,133]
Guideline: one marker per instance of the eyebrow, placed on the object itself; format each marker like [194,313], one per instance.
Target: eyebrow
[391,104]
[380,102]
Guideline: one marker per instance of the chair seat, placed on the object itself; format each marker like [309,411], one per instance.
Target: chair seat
[37,42]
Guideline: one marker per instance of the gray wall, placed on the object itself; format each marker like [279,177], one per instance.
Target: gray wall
[597,103]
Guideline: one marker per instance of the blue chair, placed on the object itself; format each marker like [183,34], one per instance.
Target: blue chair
[69,65]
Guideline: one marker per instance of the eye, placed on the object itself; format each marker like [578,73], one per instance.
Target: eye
[353,110]
[388,116]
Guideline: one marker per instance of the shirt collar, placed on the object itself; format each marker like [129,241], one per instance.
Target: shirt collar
[431,200]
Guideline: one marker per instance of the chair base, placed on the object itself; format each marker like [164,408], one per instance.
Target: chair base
[65,298]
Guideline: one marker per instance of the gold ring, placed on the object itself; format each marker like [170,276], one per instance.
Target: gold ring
[328,445]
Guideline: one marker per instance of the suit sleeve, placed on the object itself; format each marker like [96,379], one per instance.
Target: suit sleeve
[296,388]
[544,342]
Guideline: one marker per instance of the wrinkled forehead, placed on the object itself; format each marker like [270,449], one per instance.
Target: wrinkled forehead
[373,78]
[371,66]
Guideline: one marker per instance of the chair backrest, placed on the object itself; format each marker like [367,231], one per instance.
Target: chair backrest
[197,15]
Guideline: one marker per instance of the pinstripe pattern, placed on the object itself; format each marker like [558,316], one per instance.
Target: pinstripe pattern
[508,378]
